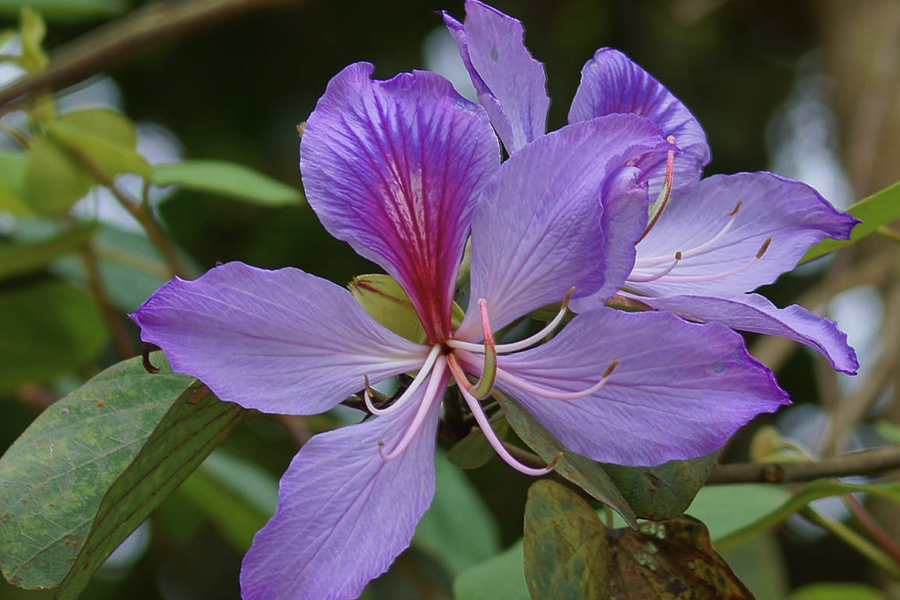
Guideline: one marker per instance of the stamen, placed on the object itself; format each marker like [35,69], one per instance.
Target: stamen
[702,278]
[648,278]
[404,398]
[485,385]
[521,344]
[666,190]
[432,393]
[495,442]
[696,250]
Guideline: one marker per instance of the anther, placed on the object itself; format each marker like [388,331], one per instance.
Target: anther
[609,370]
[763,248]
[736,209]
[666,190]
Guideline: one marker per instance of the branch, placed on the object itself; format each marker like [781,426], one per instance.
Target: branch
[868,462]
[114,43]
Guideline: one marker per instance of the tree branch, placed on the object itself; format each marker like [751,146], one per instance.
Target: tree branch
[114,43]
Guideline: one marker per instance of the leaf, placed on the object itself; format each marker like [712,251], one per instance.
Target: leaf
[837,591]
[387,303]
[238,496]
[190,430]
[474,450]
[583,472]
[18,258]
[47,329]
[12,184]
[32,31]
[662,492]
[727,508]
[104,122]
[875,211]
[226,179]
[458,529]
[569,553]
[66,10]
[760,565]
[499,578]
[53,478]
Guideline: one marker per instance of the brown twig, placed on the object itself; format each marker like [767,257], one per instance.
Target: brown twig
[868,462]
[110,45]
[98,288]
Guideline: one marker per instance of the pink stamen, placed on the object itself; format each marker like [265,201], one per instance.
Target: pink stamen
[404,398]
[495,442]
[666,189]
[432,394]
[696,250]
[648,278]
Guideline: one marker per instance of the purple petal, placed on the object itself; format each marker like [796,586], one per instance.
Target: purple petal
[278,341]
[511,84]
[612,83]
[344,513]
[393,168]
[537,230]
[714,263]
[679,391]
[752,312]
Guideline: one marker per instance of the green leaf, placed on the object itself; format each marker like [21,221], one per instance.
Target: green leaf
[12,184]
[190,430]
[583,472]
[474,450]
[570,554]
[236,495]
[760,565]
[53,478]
[226,179]
[877,210]
[79,151]
[458,529]
[32,32]
[18,258]
[662,492]
[387,303]
[66,10]
[837,591]
[499,578]
[47,329]
[727,508]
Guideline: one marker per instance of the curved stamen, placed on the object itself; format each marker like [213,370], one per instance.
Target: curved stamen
[666,190]
[485,385]
[724,274]
[521,344]
[495,442]
[432,394]
[648,278]
[404,398]
[696,250]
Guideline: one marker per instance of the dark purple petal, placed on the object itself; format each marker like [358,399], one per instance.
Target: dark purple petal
[393,168]
[752,312]
[344,513]
[278,341]
[537,230]
[612,83]
[511,84]
[721,262]
[680,389]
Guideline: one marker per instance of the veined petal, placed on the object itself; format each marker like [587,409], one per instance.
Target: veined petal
[393,168]
[537,231]
[344,513]
[511,84]
[278,341]
[722,223]
[612,83]
[752,312]
[679,390]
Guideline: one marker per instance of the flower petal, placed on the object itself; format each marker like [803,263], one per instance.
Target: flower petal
[511,84]
[612,83]
[793,214]
[344,513]
[537,230]
[393,168]
[680,389]
[752,312]
[278,341]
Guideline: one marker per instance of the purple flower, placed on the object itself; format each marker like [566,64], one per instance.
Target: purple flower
[716,240]
[405,170]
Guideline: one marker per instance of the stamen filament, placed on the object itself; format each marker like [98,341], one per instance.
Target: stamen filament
[485,385]
[521,344]
[551,394]
[495,442]
[696,250]
[648,278]
[404,398]
[432,393]
[666,190]
[723,275]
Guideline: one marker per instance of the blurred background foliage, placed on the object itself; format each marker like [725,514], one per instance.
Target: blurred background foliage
[810,90]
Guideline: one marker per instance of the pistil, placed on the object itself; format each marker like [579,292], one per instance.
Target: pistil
[666,190]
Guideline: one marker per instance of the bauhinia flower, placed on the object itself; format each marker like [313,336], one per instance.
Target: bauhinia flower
[405,170]
[702,250]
